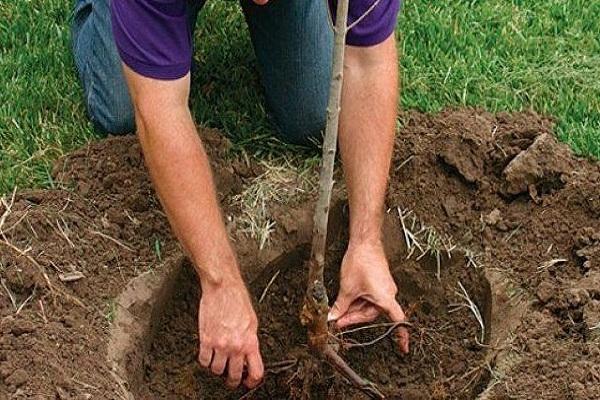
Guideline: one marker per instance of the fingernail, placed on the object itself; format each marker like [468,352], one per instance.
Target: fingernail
[331,317]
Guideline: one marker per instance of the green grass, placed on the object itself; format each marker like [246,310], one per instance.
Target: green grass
[496,54]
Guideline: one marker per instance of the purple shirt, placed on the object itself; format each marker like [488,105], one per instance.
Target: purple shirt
[154,40]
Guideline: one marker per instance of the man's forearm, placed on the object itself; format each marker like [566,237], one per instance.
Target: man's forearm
[181,174]
[368,120]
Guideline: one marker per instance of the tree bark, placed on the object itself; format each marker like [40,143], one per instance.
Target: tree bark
[316,305]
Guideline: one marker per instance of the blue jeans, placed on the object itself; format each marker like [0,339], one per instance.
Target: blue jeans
[293,46]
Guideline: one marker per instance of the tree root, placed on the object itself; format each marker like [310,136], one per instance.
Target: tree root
[338,363]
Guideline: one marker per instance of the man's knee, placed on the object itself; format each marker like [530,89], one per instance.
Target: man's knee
[303,127]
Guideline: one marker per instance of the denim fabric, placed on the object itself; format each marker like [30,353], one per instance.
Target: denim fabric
[293,46]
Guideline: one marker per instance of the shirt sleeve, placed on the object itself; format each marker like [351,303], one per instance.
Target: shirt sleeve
[153,37]
[377,26]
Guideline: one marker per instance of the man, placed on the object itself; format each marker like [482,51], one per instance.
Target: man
[134,58]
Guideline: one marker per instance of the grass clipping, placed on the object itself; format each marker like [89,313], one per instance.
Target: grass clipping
[281,183]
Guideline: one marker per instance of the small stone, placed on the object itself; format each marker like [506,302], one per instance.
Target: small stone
[502,226]
[22,327]
[62,394]
[17,378]
[487,234]
[5,369]
[545,292]
[493,217]
[577,297]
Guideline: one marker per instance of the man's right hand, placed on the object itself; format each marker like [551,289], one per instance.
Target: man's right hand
[227,328]
[180,170]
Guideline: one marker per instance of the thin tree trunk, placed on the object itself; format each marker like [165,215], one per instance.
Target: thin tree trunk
[316,304]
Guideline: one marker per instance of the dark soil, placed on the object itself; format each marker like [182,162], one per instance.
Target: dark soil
[499,185]
[445,344]
[503,186]
[104,226]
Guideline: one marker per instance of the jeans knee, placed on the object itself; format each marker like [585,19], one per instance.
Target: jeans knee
[113,119]
[302,127]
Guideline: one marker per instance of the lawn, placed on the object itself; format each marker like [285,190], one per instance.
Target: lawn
[496,54]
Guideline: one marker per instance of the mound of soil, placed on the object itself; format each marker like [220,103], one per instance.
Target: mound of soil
[503,186]
[513,203]
[65,256]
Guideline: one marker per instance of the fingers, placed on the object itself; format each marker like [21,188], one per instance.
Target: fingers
[235,368]
[218,363]
[340,307]
[205,355]
[364,314]
[395,313]
[256,369]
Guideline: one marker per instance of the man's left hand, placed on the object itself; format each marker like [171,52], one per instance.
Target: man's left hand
[367,289]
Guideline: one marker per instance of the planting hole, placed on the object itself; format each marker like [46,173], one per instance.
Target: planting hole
[447,358]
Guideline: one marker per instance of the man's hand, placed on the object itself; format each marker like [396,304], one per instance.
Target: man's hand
[366,290]
[227,328]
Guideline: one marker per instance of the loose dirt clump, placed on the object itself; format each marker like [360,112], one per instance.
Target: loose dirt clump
[472,196]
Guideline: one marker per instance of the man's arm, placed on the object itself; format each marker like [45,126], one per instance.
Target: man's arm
[181,174]
[367,130]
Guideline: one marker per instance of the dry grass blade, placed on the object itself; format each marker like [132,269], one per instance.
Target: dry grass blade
[279,184]
[63,232]
[7,208]
[549,264]
[11,296]
[470,304]
[23,253]
[24,303]
[434,243]
[264,293]
[112,239]
[51,288]
[403,163]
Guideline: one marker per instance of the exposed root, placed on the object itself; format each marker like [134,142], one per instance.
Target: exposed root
[338,363]
[374,326]
[281,366]
[392,328]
